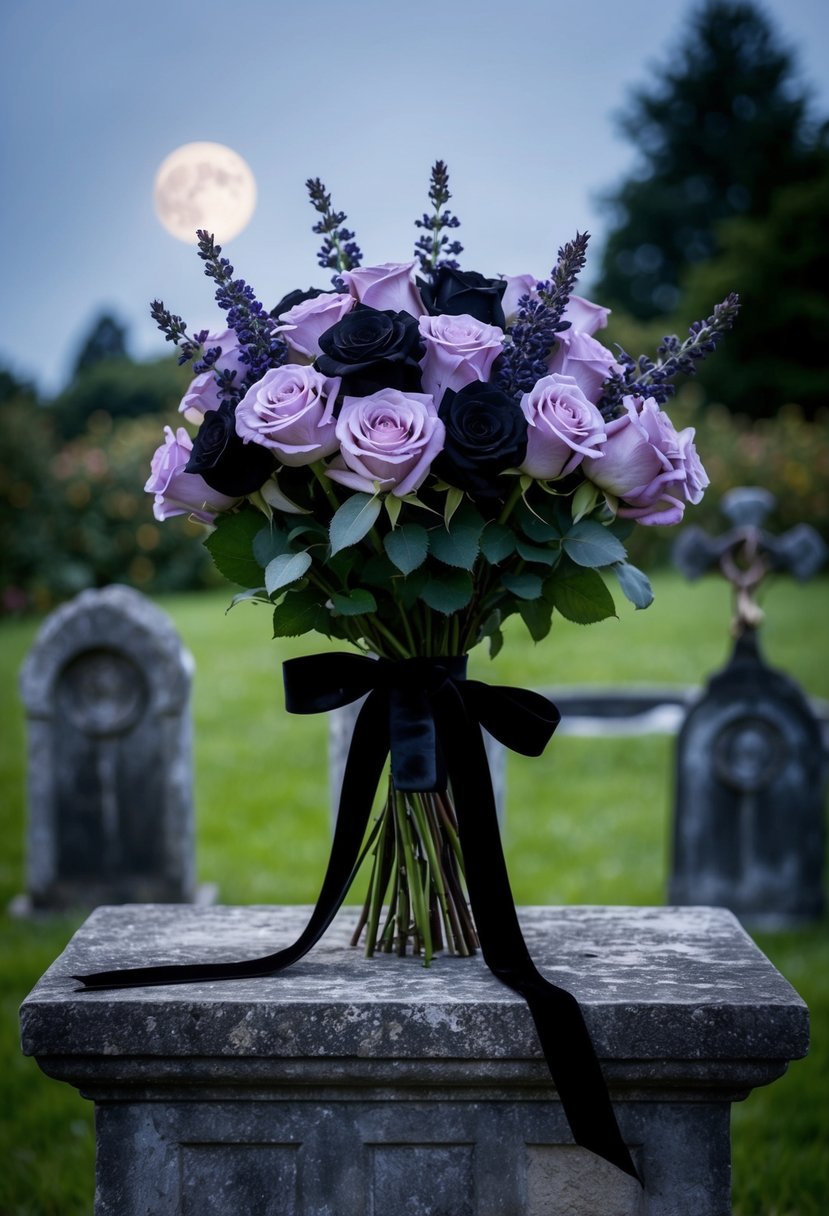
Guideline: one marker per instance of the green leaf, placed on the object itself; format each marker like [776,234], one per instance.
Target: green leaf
[393,508]
[490,624]
[540,523]
[378,571]
[408,589]
[356,603]
[497,542]
[286,569]
[231,547]
[251,594]
[407,547]
[300,612]
[534,553]
[353,520]
[537,615]
[525,586]
[268,544]
[496,642]
[449,592]
[635,585]
[591,544]
[580,595]
[454,498]
[459,545]
[584,500]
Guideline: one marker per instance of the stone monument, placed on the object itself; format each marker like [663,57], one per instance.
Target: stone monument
[348,1085]
[106,691]
[750,769]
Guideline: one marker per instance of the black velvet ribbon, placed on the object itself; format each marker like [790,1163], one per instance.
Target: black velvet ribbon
[427,716]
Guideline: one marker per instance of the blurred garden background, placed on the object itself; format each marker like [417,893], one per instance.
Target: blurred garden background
[728,190]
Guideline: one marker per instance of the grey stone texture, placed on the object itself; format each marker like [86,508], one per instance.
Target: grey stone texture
[106,690]
[750,794]
[346,1086]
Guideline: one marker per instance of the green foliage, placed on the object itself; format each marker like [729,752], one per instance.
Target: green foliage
[407,547]
[776,353]
[116,388]
[230,545]
[353,520]
[74,515]
[720,128]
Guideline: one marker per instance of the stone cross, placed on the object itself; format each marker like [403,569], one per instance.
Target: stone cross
[747,553]
[106,690]
[750,763]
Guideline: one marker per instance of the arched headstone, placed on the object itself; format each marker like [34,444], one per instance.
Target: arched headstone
[106,689]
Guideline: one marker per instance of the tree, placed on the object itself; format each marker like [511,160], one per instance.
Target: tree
[106,340]
[721,128]
[776,353]
[120,388]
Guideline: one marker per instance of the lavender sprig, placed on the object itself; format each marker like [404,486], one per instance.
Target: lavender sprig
[644,377]
[339,250]
[261,347]
[533,335]
[175,331]
[431,251]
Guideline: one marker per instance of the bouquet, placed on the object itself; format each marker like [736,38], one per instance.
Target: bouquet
[403,461]
[406,459]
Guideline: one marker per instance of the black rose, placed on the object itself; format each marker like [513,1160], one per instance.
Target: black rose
[486,433]
[297,297]
[371,349]
[223,460]
[452,292]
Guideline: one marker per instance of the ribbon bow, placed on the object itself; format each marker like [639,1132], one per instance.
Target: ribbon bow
[427,716]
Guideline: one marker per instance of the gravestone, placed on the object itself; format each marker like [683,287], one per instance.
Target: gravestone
[750,765]
[106,691]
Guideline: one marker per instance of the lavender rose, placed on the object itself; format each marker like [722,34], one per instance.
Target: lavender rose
[388,286]
[579,355]
[518,285]
[389,437]
[645,462]
[203,392]
[177,492]
[459,349]
[291,412]
[584,316]
[302,325]
[563,427]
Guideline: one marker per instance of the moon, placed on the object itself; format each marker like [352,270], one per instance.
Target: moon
[204,185]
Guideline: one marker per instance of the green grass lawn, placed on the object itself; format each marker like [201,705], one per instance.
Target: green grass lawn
[588,822]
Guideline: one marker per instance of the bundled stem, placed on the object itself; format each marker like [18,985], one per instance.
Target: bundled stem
[417,875]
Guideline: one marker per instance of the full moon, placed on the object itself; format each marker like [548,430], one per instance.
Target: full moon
[204,185]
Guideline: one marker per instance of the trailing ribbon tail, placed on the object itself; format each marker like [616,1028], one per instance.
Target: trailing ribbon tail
[564,1037]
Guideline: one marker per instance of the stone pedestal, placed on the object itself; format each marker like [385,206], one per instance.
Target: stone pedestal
[349,1086]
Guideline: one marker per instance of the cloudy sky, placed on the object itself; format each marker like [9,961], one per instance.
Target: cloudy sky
[518,97]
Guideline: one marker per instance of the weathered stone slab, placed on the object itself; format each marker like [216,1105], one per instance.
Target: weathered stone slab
[348,1085]
[106,690]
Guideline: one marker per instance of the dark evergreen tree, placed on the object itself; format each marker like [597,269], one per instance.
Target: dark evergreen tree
[721,127]
[776,353]
[107,340]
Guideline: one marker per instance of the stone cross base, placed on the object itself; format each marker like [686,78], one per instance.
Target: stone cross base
[348,1086]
